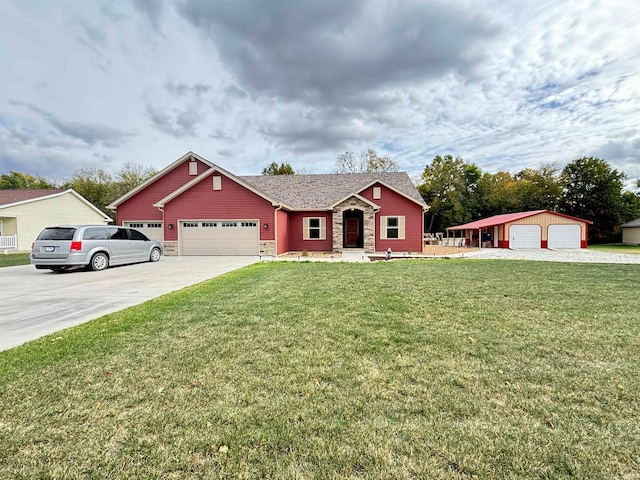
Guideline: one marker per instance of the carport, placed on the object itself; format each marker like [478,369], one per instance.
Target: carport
[524,230]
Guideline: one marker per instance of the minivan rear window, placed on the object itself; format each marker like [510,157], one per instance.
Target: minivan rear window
[57,233]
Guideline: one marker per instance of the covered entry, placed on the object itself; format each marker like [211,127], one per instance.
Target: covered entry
[220,237]
[353,231]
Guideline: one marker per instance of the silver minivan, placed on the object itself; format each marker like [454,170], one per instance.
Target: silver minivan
[94,246]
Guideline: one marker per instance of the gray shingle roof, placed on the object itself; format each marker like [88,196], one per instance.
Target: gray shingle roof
[324,190]
[632,223]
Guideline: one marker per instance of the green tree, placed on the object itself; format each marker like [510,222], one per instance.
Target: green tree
[23,181]
[594,191]
[96,185]
[275,169]
[539,189]
[130,176]
[367,161]
[449,188]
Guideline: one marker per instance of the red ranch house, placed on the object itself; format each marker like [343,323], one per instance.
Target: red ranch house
[198,208]
[535,229]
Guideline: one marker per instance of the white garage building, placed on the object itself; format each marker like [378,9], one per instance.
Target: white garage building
[525,230]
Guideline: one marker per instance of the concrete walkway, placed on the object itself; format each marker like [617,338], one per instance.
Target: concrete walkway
[34,303]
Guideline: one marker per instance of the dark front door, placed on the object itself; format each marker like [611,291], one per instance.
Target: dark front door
[353,230]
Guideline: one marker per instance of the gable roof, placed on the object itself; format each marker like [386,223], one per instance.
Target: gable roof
[8,197]
[21,197]
[508,217]
[202,176]
[301,192]
[157,176]
[632,223]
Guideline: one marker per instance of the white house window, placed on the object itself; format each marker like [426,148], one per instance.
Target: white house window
[392,228]
[193,168]
[217,182]
[377,193]
[314,228]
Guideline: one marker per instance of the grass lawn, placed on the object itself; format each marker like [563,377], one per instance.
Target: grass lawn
[406,369]
[13,259]
[616,248]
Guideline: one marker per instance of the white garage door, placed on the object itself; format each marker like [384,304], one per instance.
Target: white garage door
[524,236]
[152,230]
[215,237]
[564,236]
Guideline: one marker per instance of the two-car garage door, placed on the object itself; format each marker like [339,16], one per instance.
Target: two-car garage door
[558,236]
[216,237]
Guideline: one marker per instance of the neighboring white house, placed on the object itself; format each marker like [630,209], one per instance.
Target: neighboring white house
[24,213]
[631,232]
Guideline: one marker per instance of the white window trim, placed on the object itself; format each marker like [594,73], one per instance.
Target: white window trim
[217,182]
[377,193]
[384,226]
[306,228]
[193,168]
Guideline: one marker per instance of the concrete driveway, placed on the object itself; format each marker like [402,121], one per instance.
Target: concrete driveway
[34,303]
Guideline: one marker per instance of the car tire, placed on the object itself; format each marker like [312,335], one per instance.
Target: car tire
[99,261]
[155,255]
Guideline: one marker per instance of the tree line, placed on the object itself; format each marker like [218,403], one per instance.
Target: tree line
[456,191]
[459,192]
[96,185]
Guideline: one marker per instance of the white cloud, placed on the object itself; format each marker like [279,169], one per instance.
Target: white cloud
[506,85]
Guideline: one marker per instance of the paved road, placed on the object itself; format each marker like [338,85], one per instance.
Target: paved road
[34,303]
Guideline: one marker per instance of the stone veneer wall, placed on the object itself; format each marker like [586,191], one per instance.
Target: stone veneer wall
[268,247]
[369,227]
[171,249]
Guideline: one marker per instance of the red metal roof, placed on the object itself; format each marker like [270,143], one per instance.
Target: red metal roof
[509,217]
[15,196]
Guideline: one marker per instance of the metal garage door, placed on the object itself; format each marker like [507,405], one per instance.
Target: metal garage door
[215,237]
[152,230]
[564,236]
[524,236]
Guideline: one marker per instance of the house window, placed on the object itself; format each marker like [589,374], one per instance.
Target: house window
[377,193]
[314,228]
[193,168]
[217,182]
[392,228]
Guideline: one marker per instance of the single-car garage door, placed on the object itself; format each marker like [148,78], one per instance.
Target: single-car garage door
[563,236]
[215,237]
[524,236]
[152,230]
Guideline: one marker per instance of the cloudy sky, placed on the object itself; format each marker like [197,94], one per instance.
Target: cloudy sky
[503,84]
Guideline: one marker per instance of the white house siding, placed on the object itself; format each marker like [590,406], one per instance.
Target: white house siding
[32,217]
[631,235]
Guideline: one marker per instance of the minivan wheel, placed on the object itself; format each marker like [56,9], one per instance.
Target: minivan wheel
[99,261]
[155,255]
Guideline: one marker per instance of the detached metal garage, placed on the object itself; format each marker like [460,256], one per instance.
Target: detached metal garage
[220,237]
[526,230]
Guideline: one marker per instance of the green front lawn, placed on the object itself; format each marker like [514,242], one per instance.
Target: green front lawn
[13,259]
[616,248]
[405,369]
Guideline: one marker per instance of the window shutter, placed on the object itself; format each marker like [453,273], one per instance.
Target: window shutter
[305,228]
[323,228]
[383,228]
[401,227]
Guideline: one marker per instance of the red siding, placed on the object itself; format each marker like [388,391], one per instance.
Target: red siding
[140,206]
[391,204]
[283,232]
[297,244]
[233,202]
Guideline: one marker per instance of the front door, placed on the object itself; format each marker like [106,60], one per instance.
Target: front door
[353,230]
